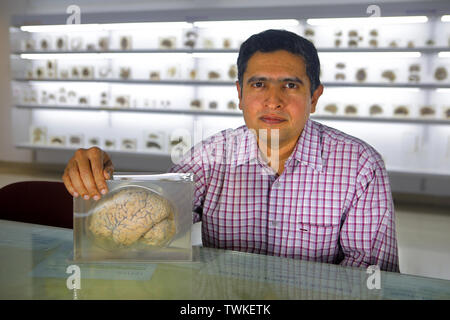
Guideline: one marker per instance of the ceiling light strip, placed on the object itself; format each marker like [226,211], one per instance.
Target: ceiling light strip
[367,20]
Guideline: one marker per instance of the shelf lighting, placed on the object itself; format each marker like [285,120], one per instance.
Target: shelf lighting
[442,90]
[445,18]
[444,54]
[126,55]
[367,20]
[223,55]
[377,55]
[88,56]
[247,24]
[106,26]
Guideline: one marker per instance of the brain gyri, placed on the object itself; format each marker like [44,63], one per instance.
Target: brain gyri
[133,215]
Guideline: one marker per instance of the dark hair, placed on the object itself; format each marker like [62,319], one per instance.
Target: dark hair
[273,40]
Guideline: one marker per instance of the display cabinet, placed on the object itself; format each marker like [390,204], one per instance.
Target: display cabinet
[153,89]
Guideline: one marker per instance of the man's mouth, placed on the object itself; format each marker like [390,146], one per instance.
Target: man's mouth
[271,119]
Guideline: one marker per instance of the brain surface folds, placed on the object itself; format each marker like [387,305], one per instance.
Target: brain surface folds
[131,215]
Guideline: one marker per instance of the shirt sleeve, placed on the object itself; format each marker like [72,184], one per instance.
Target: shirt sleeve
[368,235]
[195,161]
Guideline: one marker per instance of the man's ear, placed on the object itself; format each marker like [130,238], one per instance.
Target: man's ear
[239,90]
[315,97]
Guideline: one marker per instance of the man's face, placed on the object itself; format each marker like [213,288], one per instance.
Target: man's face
[275,94]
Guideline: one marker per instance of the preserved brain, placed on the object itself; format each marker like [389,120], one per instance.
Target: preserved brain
[159,232]
[133,215]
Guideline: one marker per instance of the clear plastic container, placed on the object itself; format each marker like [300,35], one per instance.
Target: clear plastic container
[142,218]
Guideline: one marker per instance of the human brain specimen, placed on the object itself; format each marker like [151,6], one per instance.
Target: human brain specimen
[133,215]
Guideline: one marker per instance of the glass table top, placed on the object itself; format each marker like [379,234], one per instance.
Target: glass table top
[36,263]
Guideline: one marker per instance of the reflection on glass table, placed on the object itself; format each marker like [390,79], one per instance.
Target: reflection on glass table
[35,263]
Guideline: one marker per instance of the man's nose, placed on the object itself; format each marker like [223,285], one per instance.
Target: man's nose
[273,98]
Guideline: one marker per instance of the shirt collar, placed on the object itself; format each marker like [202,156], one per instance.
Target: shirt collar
[308,150]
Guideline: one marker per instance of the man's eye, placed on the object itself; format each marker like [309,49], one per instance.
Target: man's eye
[258,84]
[291,85]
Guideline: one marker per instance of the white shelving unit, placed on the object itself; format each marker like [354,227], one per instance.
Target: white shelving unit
[233,114]
[230,83]
[416,147]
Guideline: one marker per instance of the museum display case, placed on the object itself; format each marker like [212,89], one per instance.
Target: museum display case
[152,89]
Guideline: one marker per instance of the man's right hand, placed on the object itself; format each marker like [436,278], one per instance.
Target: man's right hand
[86,172]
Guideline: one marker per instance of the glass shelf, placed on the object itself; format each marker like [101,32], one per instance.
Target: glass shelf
[144,110]
[429,121]
[162,82]
[232,83]
[67,148]
[430,49]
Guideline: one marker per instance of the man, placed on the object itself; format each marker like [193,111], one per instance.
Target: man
[282,184]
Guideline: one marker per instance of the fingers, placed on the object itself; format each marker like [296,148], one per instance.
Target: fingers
[86,167]
[84,174]
[97,170]
[77,181]
[68,184]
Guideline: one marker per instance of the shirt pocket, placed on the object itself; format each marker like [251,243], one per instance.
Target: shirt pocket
[317,242]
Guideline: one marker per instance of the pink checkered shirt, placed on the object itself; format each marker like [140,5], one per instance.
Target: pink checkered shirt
[331,204]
